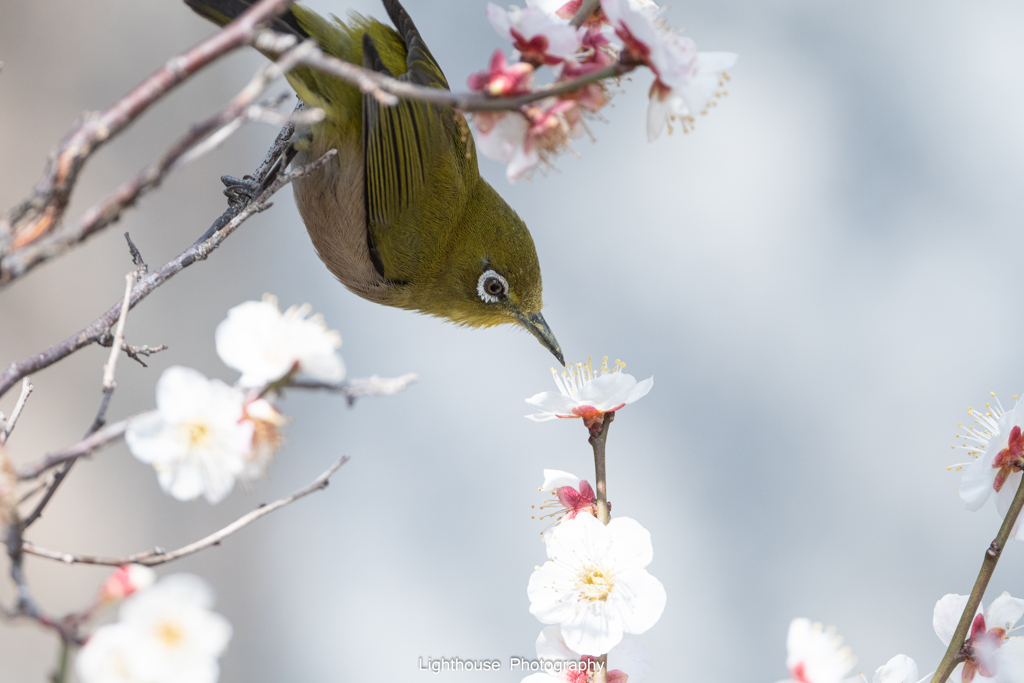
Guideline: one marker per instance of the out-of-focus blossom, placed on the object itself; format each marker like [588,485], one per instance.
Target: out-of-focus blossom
[540,37]
[165,634]
[899,669]
[525,139]
[570,497]
[595,584]
[266,438]
[266,345]
[816,654]
[502,79]
[686,82]
[196,439]
[626,661]
[125,580]
[993,656]
[589,394]
[996,445]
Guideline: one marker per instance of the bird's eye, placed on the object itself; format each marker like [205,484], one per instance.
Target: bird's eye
[492,287]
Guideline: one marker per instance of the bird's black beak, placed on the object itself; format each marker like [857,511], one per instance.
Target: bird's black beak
[538,327]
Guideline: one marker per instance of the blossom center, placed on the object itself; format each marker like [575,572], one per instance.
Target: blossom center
[196,433]
[170,634]
[798,673]
[595,584]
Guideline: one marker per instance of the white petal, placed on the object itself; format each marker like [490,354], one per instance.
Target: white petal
[593,627]
[551,646]
[976,483]
[1004,496]
[552,591]
[947,615]
[579,541]
[607,391]
[640,390]
[899,669]
[552,402]
[1009,661]
[147,440]
[631,545]
[180,393]
[632,659]
[556,479]
[1004,612]
[499,19]
[657,116]
[640,600]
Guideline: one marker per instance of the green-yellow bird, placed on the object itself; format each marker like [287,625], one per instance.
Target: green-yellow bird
[401,215]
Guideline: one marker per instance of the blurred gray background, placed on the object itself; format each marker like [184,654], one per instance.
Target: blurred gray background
[822,277]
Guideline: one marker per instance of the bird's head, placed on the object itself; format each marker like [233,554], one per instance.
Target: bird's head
[492,275]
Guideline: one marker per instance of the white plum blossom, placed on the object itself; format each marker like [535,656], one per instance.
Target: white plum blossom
[527,138]
[993,655]
[540,37]
[266,438]
[686,82]
[165,634]
[997,448]
[816,654]
[589,394]
[196,439]
[595,585]
[626,661]
[266,345]
[570,497]
[899,669]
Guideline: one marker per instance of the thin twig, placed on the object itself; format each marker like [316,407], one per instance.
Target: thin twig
[157,556]
[26,390]
[361,386]
[199,251]
[186,149]
[953,654]
[115,348]
[92,442]
[43,211]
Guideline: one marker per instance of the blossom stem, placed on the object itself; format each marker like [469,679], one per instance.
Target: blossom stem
[60,674]
[597,442]
[587,8]
[953,654]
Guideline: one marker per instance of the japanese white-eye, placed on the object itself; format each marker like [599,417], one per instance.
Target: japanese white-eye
[401,215]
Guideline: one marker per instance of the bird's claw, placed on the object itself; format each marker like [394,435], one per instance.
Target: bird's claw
[240,190]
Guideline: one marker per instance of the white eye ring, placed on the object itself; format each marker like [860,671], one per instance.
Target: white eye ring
[481,289]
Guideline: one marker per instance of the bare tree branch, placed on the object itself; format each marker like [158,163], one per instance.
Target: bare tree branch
[26,390]
[199,251]
[361,386]
[43,211]
[90,443]
[158,556]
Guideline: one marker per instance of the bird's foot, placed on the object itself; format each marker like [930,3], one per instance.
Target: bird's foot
[240,191]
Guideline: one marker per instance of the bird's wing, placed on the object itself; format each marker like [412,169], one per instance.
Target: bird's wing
[404,143]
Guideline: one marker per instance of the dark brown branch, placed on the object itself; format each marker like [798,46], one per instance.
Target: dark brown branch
[39,214]
[598,440]
[158,556]
[94,440]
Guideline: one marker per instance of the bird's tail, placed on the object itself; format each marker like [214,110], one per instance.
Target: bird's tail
[221,12]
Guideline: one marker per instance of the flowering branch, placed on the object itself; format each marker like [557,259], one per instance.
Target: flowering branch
[954,654]
[157,556]
[43,211]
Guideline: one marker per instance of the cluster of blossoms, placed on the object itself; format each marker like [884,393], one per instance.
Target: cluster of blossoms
[816,655]
[165,632]
[988,653]
[623,34]
[205,435]
[595,586]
